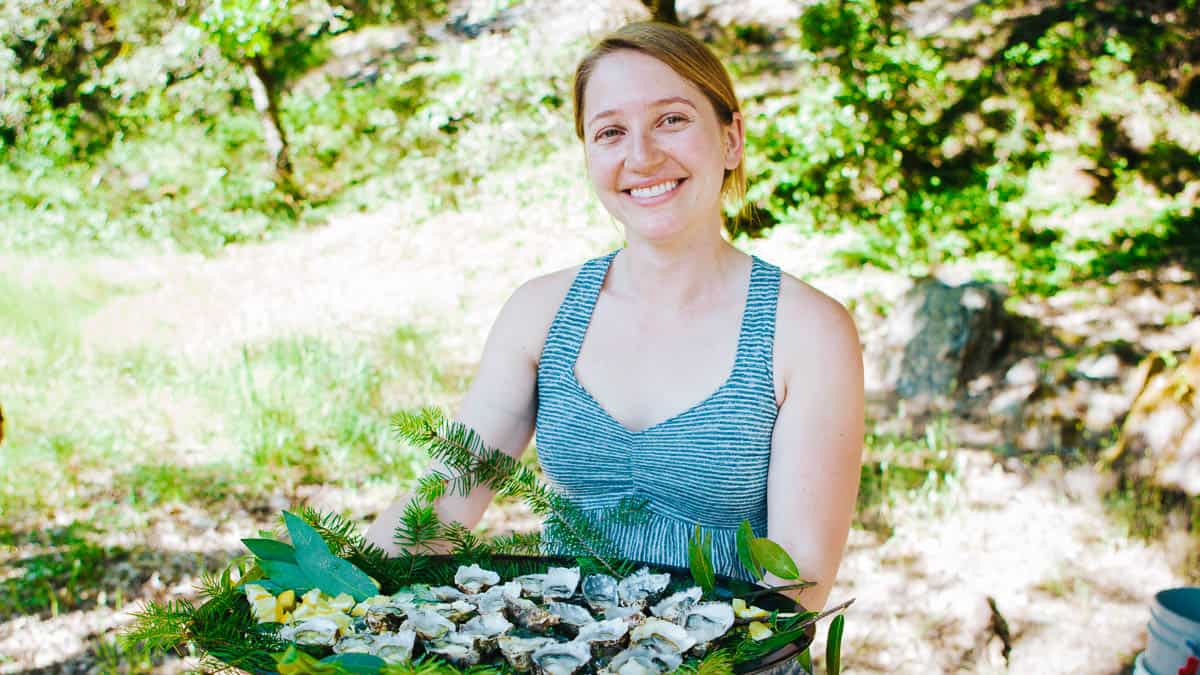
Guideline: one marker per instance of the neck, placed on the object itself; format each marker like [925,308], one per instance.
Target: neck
[677,275]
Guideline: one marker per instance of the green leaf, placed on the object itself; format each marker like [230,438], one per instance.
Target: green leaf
[286,575]
[745,535]
[269,549]
[328,572]
[356,663]
[772,556]
[700,560]
[804,658]
[833,645]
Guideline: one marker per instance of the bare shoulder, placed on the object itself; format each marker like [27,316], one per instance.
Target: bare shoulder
[530,310]
[815,336]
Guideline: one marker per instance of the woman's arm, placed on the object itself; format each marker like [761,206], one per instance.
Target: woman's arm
[816,450]
[501,404]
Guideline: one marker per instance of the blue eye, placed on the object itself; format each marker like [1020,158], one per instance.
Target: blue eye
[674,119]
[607,133]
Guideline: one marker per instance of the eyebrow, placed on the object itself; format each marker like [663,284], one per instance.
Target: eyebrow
[655,104]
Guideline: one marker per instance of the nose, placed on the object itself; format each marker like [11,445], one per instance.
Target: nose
[644,153]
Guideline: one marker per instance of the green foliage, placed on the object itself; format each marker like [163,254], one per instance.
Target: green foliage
[745,535]
[700,560]
[774,558]
[70,574]
[833,645]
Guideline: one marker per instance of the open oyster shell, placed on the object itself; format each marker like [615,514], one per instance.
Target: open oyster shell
[447,593]
[493,600]
[456,648]
[642,587]
[673,606]
[485,629]
[662,635]
[571,617]
[531,584]
[562,658]
[473,578]
[318,631]
[518,651]
[526,614]
[643,660]
[600,591]
[604,637]
[384,618]
[708,621]
[429,625]
[560,582]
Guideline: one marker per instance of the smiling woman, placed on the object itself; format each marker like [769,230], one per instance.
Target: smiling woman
[676,371]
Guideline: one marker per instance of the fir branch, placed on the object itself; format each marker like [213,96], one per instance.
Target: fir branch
[419,527]
[463,541]
[160,627]
[632,510]
[716,662]
[517,543]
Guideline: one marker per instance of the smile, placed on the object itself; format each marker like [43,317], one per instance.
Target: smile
[652,191]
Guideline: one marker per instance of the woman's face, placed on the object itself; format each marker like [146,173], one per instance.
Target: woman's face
[656,152]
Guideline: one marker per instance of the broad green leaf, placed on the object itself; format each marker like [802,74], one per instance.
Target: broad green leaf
[328,572]
[745,535]
[286,575]
[833,645]
[700,560]
[772,556]
[295,662]
[269,549]
[804,658]
[365,664]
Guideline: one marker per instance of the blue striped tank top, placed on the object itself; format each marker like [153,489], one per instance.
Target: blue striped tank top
[706,465]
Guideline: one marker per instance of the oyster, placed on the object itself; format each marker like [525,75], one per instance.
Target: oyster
[518,651]
[707,621]
[455,648]
[526,614]
[428,625]
[492,600]
[473,578]
[447,593]
[673,606]
[319,631]
[562,658]
[642,660]
[631,615]
[662,635]
[560,582]
[355,644]
[531,584]
[484,629]
[384,619]
[457,611]
[641,587]
[572,617]
[605,637]
[600,591]
[395,647]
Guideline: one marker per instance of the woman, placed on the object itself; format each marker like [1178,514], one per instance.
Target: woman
[677,370]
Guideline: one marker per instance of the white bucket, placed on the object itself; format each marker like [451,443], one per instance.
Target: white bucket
[1174,621]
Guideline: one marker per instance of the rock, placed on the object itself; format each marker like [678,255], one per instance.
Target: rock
[938,338]
[1106,367]
[1160,439]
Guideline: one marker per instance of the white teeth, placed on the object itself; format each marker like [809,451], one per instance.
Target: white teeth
[654,190]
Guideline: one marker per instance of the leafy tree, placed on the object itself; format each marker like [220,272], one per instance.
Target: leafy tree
[273,41]
[662,10]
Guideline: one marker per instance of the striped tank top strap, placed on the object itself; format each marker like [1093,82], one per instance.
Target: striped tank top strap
[757,341]
[570,324]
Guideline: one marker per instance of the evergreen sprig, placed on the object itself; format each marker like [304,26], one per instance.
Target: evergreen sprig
[470,463]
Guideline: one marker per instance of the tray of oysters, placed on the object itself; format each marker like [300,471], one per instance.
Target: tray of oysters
[562,621]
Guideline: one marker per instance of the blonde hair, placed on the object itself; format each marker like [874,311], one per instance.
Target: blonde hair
[690,59]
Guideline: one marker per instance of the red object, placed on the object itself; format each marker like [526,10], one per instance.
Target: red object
[1191,667]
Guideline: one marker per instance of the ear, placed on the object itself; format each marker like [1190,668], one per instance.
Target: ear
[733,135]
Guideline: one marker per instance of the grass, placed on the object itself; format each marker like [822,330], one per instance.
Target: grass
[900,469]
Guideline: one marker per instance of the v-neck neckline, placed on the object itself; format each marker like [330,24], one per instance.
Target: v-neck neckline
[737,357]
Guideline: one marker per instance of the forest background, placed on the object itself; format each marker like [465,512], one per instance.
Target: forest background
[237,235]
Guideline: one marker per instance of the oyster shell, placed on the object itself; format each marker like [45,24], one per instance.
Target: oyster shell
[572,617]
[395,647]
[631,615]
[600,591]
[428,625]
[642,660]
[560,582]
[458,611]
[708,621]
[455,648]
[642,587]
[673,606]
[604,637]
[484,629]
[493,600]
[518,651]
[384,618]
[361,643]
[447,593]
[473,578]
[562,658]
[526,614]
[318,631]
[662,635]
[531,584]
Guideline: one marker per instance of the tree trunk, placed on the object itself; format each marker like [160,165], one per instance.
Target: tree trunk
[265,90]
[663,10]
